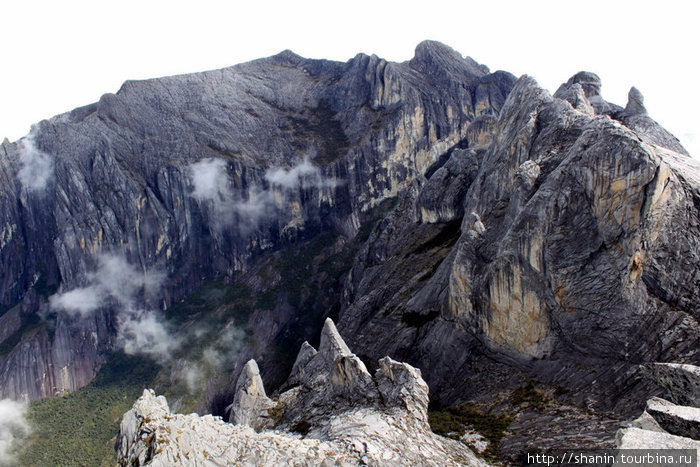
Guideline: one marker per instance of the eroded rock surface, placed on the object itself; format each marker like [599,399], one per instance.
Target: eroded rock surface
[514,235]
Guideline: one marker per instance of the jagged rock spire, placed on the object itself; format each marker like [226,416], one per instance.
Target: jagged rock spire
[332,345]
[582,91]
[635,102]
[250,403]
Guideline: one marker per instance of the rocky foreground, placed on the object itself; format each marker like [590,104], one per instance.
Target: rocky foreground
[335,413]
[665,424]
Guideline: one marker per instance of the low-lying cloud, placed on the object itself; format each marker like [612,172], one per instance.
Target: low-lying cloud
[143,332]
[14,429]
[115,281]
[36,167]
[210,180]
[218,354]
[212,186]
[119,285]
[304,175]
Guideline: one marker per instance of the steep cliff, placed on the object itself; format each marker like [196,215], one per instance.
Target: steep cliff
[507,242]
[195,175]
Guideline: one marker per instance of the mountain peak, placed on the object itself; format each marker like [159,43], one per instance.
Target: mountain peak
[433,56]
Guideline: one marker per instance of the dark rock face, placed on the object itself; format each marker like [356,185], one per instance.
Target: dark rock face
[119,173]
[663,424]
[564,239]
[531,236]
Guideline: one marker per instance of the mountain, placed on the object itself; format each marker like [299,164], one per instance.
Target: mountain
[521,249]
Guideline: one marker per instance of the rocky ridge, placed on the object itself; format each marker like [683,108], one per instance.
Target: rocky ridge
[336,413]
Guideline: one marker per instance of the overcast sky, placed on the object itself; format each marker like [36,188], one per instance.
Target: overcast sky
[58,55]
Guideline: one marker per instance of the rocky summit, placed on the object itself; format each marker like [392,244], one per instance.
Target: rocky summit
[534,255]
[336,414]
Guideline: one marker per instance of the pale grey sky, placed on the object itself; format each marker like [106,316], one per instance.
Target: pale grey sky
[60,55]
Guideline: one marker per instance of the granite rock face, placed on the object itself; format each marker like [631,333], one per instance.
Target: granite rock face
[336,414]
[564,257]
[681,381]
[196,175]
[251,403]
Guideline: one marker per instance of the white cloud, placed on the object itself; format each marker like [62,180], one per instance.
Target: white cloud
[117,283]
[210,180]
[82,301]
[13,429]
[212,187]
[259,206]
[36,167]
[304,175]
[114,281]
[143,332]
[294,177]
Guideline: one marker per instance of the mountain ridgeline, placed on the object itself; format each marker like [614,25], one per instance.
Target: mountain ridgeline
[521,249]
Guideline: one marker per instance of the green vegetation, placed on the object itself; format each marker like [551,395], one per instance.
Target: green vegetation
[78,428]
[276,412]
[529,395]
[212,295]
[454,421]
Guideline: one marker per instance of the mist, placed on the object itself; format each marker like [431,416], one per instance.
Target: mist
[212,187]
[143,332]
[119,285]
[115,281]
[304,175]
[36,167]
[14,429]
[216,355]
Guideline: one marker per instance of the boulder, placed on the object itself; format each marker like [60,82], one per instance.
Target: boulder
[675,419]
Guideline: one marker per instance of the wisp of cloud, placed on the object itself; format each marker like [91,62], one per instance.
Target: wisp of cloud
[114,280]
[143,332]
[217,355]
[211,185]
[13,429]
[119,284]
[210,181]
[36,167]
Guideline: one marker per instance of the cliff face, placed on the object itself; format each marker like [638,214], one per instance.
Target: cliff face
[550,250]
[194,175]
[481,229]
